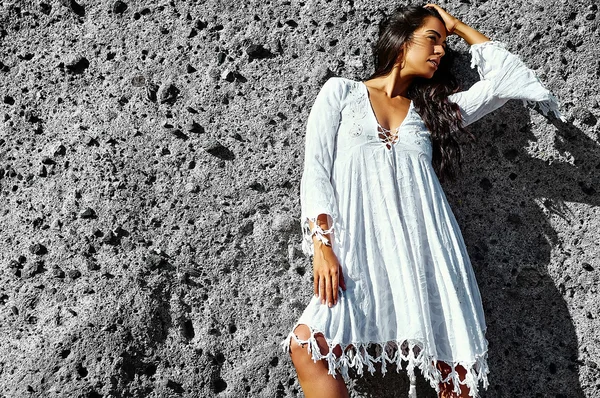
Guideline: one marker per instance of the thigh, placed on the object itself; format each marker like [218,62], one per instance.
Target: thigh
[313,376]
[303,335]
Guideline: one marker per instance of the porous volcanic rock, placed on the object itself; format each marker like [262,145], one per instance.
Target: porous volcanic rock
[150,160]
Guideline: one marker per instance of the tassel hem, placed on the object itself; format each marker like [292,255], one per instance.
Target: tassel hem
[410,352]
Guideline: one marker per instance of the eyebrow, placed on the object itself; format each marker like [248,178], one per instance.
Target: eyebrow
[438,35]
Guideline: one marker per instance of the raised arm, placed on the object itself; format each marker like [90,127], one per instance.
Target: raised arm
[503,76]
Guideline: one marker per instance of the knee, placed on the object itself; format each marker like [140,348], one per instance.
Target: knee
[298,344]
[303,335]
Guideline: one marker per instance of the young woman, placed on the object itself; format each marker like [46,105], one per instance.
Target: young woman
[392,279]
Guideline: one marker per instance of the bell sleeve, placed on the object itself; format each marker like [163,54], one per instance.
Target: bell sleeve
[317,195]
[503,77]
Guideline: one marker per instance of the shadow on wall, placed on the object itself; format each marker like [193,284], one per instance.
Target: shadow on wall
[533,345]
[498,202]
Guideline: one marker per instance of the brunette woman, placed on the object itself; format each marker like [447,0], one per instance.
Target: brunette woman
[393,283]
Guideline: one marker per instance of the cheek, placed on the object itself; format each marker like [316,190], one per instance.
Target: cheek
[415,57]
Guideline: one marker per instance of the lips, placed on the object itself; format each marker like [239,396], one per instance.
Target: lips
[434,62]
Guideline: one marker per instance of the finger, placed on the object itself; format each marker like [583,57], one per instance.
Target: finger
[328,290]
[334,287]
[342,281]
[322,289]
[435,7]
[316,285]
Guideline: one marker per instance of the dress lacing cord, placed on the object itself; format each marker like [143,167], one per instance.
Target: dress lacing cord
[388,137]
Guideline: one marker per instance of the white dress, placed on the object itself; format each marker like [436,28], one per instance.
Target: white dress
[409,281]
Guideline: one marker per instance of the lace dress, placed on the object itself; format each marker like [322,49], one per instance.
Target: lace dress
[411,297]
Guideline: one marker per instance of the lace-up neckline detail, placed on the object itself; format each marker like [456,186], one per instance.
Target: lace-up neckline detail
[386,136]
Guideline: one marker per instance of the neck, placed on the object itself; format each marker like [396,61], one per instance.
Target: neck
[395,84]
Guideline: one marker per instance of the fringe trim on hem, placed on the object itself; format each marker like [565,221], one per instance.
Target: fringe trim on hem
[413,352]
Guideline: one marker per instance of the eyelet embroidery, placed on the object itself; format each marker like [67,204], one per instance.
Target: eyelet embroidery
[357,104]
[421,137]
[358,112]
[356,130]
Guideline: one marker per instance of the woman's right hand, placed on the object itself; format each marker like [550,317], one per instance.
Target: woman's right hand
[328,274]
[450,21]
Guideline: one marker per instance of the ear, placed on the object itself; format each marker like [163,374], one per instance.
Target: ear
[400,61]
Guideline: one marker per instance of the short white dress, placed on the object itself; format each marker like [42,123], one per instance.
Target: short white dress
[411,297]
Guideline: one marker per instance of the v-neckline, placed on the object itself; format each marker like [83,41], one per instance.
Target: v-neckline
[410,106]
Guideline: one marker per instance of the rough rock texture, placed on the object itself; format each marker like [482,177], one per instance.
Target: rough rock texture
[150,159]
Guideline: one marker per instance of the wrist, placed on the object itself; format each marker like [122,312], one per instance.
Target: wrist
[321,234]
[469,34]
[322,241]
[457,27]
[322,247]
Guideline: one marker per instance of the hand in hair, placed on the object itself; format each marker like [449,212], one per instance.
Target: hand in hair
[450,21]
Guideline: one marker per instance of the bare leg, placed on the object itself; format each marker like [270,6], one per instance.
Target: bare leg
[446,389]
[313,377]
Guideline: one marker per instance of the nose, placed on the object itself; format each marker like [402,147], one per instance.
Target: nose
[440,50]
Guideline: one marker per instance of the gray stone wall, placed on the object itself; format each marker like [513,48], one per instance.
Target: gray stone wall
[150,159]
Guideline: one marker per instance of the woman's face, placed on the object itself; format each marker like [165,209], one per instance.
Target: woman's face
[423,54]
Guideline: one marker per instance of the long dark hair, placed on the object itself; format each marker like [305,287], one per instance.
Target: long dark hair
[429,96]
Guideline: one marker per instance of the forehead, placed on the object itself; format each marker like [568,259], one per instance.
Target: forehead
[432,23]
